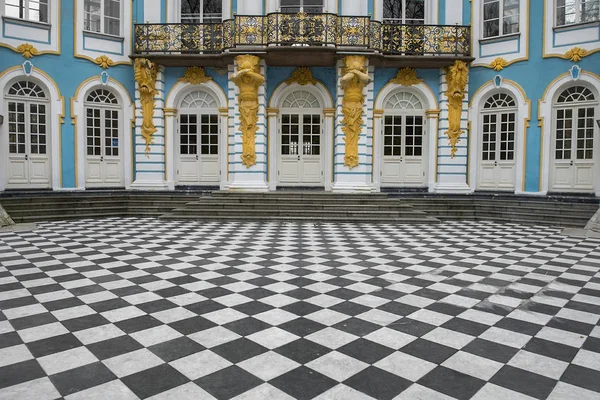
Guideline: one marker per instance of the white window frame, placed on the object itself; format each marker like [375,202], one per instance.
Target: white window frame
[24,4]
[300,4]
[199,18]
[577,14]
[103,16]
[426,5]
[501,18]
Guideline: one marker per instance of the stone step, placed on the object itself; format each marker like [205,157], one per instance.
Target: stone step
[370,219]
[200,206]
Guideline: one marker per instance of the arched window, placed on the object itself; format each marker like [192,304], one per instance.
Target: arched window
[199,124]
[574,124]
[301,99]
[26,89]
[27,119]
[102,124]
[499,128]
[199,99]
[403,101]
[403,125]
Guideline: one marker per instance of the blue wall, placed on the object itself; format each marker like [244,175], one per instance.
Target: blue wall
[68,72]
[276,75]
[172,74]
[430,76]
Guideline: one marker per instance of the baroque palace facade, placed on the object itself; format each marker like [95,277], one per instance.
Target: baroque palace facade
[446,96]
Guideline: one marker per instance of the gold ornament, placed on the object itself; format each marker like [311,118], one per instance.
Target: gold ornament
[576,54]
[456,79]
[248,79]
[145,73]
[104,62]
[195,76]
[301,76]
[353,81]
[406,77]
[498,64]
[27,50]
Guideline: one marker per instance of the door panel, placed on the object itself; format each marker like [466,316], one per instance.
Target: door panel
[311,149]
[583,176]
[487,176]
[198,161]
[497,153]
[403,162]
[17,170]
[209,168]
[300,150]
[506,175]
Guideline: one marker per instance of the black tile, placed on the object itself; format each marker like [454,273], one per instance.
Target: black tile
[582,377]
[445,308]
[176,348]
[570,325]
[228,382]
[430,351]
[378,383]
[302,350]
[128,290]
[239,350]
[45,289]
[412,326]
[345,294]
[138,323]
[108,305]
[18,302]
[525,382]
[452,383]
[10,339]
[252,308]
[172,291]
[85,322]
[214,292]
[303,383]
[32,320]
[517,325]
[398,308]
[204,307]
[356,326]
[365,350]
[156,306]
[54,344]
[77,379]
[301,293]
[114,347]
[301,308]
[154,380]
[258,293]
[465,326]
[551,349]
[350,308]
[20,372]
[192,325]
[592,344]
[491,350]
[302,326]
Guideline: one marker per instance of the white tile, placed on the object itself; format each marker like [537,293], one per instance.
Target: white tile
[564,391]
[430,317]
[268,365]
[331,338]
[489,391]
[173,315]
[273,337]
[73,312]
[390,338]
[419,392]
[405,366]
[186,299]
[327,316]
[113,390]
[576,315]
[97,297]
[278,300]
[98,334]
[560,336]
[506,337]
[233,299]
[200,364]
[42,332]
[585,358]
[132,362]
[370,300]
[379,317]
[541,365]
[324,300]
[276,316]
[263,392]
[14,354]
[417,301]
[214,336]
[121,314]
[38,389]
[473,365]
[189,391]
[505,300]
[449,338]
[25,311]
[481,317]
[66,360]
[337,366]
[224,316]
[6,327]
[140,298]
[158,334]
[342,392]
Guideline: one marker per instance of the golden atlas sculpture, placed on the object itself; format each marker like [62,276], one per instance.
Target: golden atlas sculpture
[457,76]
[145,73]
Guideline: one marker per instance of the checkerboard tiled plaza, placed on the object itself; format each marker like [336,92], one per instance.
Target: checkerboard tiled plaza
[142,308]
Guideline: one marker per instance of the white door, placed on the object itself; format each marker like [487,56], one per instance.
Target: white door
[497,154]
[28,139]
[403,150]
[300,149]
[572,166]
[103,167]
[198,162]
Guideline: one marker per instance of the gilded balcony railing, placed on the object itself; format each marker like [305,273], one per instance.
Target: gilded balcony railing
[303,29]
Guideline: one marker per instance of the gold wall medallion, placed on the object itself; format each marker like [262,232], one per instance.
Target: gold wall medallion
[406,77]
[27,50]
[353,81]
[248,79]
[104,62]
[145,73]
[195,76]
[498,64]
[576,54]
[301,76]
[456,80]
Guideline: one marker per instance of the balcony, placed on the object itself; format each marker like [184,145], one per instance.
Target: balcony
[303,39]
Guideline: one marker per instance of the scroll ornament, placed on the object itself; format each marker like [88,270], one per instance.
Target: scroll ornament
[248,79]
[406,77]
[301,76]
[104,62]
[195,76]
[27,50]
[353,81]
[145,73]
[498,64]
[456,80]
[576,54]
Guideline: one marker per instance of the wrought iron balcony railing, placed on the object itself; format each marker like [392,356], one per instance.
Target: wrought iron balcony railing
[302,29]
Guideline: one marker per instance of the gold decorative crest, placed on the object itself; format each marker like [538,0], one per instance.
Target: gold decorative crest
[576,54]
[104,62]
[457,76]
[27,50]
[301,76]
[406,77]
[498,64]
[145,73]
[353,81]
[248,79]
[195,76]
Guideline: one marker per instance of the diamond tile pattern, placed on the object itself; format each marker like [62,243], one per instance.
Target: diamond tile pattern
[143,308]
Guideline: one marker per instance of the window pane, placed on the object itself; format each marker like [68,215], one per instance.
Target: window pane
[92,15]
[14,9]
[510,23]
[392,10]
[590,10]
[38,10]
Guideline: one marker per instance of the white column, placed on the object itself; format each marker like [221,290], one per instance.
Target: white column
[452,172]
[150,168]
[273,114]
[328,147]
[224,148]
[433,117]
[377,147]
[170,132]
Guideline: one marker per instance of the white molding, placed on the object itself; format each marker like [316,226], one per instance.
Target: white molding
[585,36]
[30,32]
[546,117]
[523,115]
[53,125]
[127,110]
[510,47]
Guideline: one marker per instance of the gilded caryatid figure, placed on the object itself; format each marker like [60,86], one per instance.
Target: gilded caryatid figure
[248,79]
[456,80]
[145,73]
[353,81]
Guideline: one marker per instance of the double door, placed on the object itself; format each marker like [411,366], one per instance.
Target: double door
[28,147]
[497,153]
[573,150]
[300,161]
[103,159]
[198,162]
[403,161]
